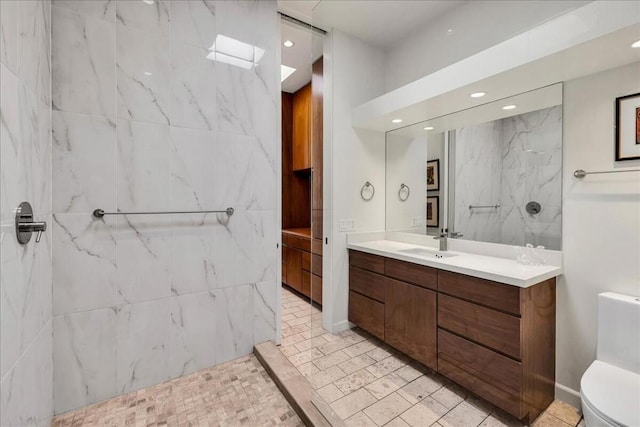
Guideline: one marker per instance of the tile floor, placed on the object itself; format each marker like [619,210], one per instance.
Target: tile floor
[236,393]
[367,383]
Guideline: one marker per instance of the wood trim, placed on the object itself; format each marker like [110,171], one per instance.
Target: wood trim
[367,283]
[367,313]
[416,274]
[491,328]
[491,294]
[366,261]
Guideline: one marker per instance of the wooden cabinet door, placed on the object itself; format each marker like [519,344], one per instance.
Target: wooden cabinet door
[301,153]
[410,321]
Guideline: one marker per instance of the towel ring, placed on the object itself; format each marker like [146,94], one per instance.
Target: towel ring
[364,187]
[407,192]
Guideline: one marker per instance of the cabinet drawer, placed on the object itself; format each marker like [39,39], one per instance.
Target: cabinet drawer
[420,275]
[495,295]
[367,313]
[458,373]
[306,261]
[491,328]
[367,283]
[366,261]
[303,243]
[491,367]
[316,246]
[316,288]
[305,288]
[316,265]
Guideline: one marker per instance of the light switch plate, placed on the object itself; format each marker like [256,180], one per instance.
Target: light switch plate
[347,225]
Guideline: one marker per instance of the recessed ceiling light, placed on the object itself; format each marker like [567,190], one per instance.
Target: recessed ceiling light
[146,73]
[428,128]
[149,1]
[396,121]
[478,94]
[288,43]
[450,30]
[636,44]
[285,72]
[509,107]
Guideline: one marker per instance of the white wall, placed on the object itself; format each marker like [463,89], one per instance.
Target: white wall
[406,163]
[353,70]
[601,227]
[476,25]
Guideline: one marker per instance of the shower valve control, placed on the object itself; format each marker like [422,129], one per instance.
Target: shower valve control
[25,226]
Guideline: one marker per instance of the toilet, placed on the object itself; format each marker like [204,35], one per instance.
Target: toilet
[610,387]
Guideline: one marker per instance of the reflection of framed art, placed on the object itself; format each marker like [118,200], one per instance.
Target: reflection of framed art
[433,210]
[628,127]
[433,175]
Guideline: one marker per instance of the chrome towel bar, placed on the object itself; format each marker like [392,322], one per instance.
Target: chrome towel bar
[483,206]
[580,173]
[99,213]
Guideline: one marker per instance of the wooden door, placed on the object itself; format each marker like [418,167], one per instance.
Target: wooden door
[410,321]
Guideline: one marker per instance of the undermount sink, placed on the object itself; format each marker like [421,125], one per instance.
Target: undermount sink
[428,253]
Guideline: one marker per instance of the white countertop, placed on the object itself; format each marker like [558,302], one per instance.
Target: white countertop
[501,270]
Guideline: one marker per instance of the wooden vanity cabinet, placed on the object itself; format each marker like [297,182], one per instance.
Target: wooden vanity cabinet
[496,340]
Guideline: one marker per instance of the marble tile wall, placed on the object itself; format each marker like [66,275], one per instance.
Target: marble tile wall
[26,366]
[524,155]
[142,120]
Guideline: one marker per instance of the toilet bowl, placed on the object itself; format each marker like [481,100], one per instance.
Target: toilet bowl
[610,387]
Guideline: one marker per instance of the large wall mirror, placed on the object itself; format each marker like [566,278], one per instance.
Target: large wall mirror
[491,173]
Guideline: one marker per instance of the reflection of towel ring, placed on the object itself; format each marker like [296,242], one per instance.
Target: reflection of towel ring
[364,187]
[406,190]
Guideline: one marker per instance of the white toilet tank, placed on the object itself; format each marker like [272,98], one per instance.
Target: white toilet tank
[619,330]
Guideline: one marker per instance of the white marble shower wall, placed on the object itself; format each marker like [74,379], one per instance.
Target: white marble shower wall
[532,169]
[144,121]
[26,369]
[511,162]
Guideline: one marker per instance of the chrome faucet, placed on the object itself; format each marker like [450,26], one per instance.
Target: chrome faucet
[444,235]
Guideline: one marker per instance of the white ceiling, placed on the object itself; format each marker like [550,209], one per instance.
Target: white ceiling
[379,22]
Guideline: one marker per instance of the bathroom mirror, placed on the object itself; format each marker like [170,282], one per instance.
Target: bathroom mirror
[491,173]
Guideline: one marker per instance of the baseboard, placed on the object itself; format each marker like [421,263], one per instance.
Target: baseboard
[568,395]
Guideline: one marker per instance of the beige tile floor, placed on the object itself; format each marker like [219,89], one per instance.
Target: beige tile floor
[367,383]
[236,393]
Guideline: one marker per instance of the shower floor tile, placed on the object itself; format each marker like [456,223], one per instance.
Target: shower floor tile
[236,393]
[368,383]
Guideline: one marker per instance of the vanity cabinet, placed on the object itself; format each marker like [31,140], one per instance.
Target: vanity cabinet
[494,339]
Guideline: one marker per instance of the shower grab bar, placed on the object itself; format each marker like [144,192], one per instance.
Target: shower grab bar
[580,173]
[99,213]
[483,206]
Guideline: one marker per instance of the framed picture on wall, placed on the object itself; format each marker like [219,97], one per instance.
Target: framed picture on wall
[433,211]
[628,127]
[433,175]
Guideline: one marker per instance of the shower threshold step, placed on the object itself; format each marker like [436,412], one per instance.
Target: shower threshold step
[309,406]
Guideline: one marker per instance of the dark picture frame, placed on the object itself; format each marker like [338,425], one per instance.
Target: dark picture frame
[433,211]
[433,175]
[628,127]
